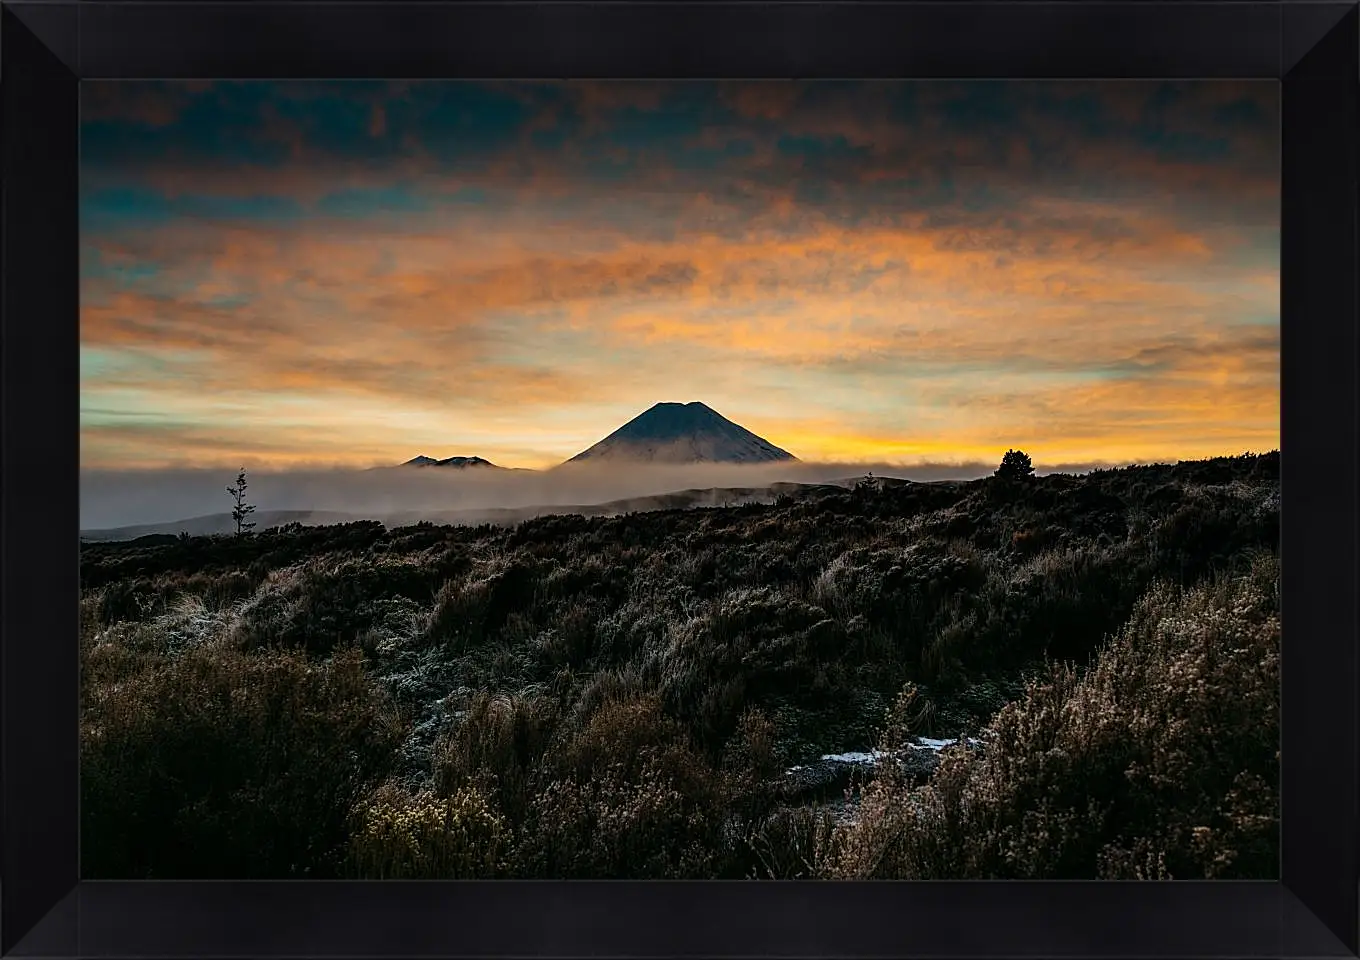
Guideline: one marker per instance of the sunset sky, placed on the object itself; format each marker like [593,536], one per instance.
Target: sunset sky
[298,274]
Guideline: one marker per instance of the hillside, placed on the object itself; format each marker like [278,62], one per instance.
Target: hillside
[685,693]
[215,524]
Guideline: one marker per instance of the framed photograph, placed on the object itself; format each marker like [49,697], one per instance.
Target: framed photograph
[862,479]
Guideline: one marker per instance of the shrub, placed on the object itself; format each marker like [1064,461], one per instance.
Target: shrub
[619,738]
[474,609]
[1162,759]
[223,764]
[404,836]
[629,798]
[327,603]
[666,823]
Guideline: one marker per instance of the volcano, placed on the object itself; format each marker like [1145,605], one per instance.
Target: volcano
[683,433]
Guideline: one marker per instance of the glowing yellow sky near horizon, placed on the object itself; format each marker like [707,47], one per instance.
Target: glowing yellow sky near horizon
[817,281]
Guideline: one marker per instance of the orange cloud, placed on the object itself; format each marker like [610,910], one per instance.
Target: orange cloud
[1087,324]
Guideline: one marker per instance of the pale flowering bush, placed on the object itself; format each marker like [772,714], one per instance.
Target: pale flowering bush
[420,836]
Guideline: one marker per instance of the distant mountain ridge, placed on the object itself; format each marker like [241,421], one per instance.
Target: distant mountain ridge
[675,433]
[217,523]
[222,523]
[458,462]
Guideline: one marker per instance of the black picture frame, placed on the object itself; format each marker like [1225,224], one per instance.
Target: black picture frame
[48,46]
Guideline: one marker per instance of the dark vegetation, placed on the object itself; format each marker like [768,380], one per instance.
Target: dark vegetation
[240,509]
[1015,465]
[592,697]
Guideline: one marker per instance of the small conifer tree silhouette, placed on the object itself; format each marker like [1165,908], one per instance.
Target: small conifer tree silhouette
[1015,465]
[866,483]
[241,511]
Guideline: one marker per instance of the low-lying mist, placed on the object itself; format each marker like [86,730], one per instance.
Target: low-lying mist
[114,499]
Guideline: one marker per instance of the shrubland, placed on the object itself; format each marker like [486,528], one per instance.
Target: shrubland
[621,697]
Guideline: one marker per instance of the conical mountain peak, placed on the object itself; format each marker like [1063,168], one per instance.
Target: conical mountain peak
[692,432]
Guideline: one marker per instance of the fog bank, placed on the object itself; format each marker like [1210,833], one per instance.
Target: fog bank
[110,499]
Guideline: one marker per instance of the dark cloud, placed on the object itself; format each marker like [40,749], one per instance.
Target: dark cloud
[853,149]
